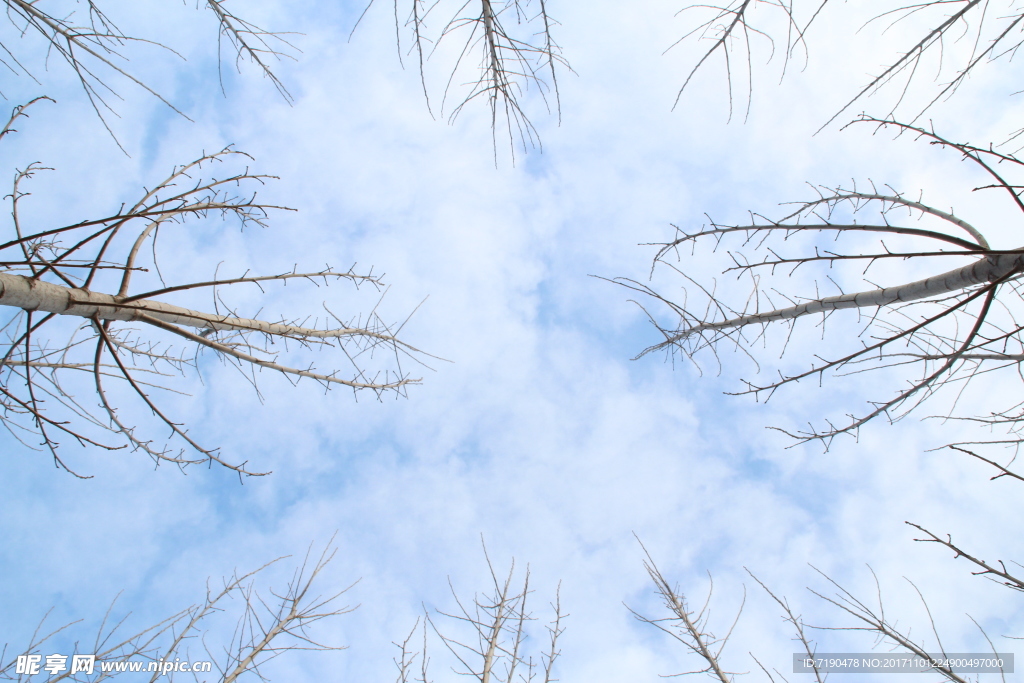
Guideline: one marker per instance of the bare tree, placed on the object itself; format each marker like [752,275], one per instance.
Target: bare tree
[129,333]
[693,628]
[925,301]
[493,645]
[514,50]
[266,629]
[940,331]
[689,626]
[986,30]
[97,51]
[269,627]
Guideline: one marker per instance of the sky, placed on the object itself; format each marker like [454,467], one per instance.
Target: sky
[533,431]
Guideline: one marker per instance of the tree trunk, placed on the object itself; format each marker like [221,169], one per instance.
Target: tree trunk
[36,295]
[988,269]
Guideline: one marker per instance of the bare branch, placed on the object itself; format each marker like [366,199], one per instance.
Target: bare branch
[730,27]
[95,49]
[140,339]
[266,629]
[495,628]
[999,575]
[512,59]
[937,331]
[689,626]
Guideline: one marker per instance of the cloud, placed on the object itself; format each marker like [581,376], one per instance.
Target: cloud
[539,435]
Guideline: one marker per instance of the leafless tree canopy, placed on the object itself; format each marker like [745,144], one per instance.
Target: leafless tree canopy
[513,47]
[689,626]
[694,630]
[94,329]
[269,626]
[62,382]
[856,279]
[960,321]
[982,30]
[500,50]
[488,639]
[92,46]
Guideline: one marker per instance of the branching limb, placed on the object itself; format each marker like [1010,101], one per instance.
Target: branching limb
[493,647]
[997,574]
[266,629]
[874,621]
[514,44]
[689,626]
[941,330]
[732,23]
[95,271]
[95,49]
[798,625]
[731,26]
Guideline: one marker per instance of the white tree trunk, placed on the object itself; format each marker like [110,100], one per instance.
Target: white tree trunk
[35,295]
[984,270]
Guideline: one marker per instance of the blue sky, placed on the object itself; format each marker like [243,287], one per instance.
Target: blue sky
[540,434]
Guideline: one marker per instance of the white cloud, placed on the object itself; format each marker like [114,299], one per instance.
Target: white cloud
[540,434]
